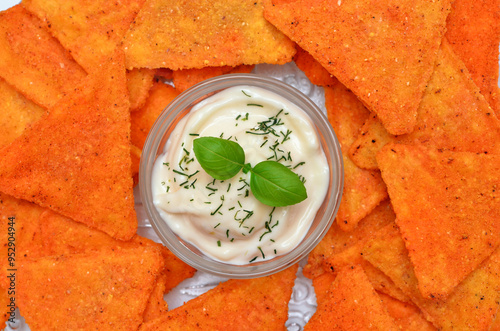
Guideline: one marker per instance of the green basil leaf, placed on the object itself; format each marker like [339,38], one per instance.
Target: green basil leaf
[220,158]
[275,185]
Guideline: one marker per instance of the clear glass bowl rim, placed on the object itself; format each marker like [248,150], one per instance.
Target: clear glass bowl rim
[153,146]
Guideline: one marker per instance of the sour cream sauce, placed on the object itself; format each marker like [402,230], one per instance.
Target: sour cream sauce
[222,218]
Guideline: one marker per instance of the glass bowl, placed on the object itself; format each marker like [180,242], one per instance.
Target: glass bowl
[154,147]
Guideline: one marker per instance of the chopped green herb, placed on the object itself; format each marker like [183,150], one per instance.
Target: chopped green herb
[180,173]
[286,136]
[215,211]
[260,249]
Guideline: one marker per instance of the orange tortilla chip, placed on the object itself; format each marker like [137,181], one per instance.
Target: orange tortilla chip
[164,73]
[157,306]
[18,113]
[351,304]
[24,217]
[381,282]
[473,30]
[372,137]
[90,30]
[135,154]
[184,79]
[204,34]
[384,51]
[453,115]
[77,159]
[316,73]
[339,249]
[471,306]
[322,285]
[337,241]
[143,119]
[61,235]
[32,60]
[106,289]
[363,189]
[139,82]
[407,316]
[8,306]
[445,202]
[495,326]
[238,304]
[20,237]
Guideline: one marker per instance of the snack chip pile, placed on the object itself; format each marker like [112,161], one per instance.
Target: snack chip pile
[411,92]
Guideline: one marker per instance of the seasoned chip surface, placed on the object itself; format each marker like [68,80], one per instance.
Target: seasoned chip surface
[351,304]
[447,210]
[18,113]
[77,160]
[384,51]
[186,34]
[473,304]
[90,29]
[363,189]
[32,60]
[104,290]
[453,115]
[238,304]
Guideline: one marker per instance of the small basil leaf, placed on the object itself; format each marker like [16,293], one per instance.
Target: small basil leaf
[275,185]
[220,158]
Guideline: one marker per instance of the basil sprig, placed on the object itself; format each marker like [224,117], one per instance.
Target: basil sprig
[271,182]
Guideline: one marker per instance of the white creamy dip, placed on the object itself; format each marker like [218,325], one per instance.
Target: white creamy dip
[222,218]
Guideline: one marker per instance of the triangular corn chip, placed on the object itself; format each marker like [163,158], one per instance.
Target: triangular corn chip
[24,218]
[472,305]
[32,60]
[105,290]
[61,235]
[340,248]
[157,306]
[18,113]
[447,208]
[184,79]
[351,304]
[406,315]
[473,30]
[316,73]
[238,304]
[453,115]
[336,240]
[139,82]
[363,189]
[202,34]
[91,30]
[77,159]
[144,118]
[384,51]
